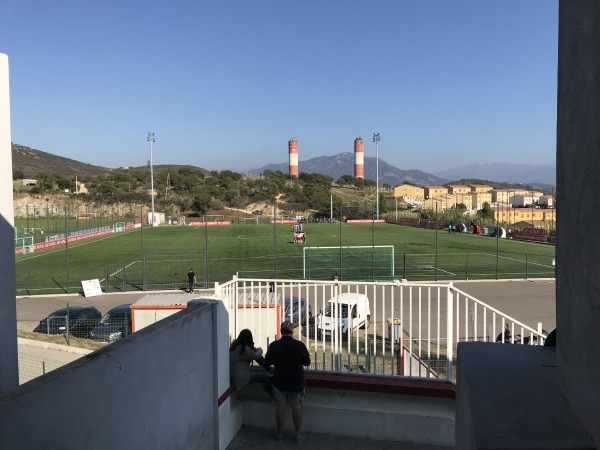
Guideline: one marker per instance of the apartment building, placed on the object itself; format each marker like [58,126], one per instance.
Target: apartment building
[458,189]
[435,191]
[409,192]
[480,188]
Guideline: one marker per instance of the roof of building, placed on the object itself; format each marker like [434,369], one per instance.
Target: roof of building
[174,299]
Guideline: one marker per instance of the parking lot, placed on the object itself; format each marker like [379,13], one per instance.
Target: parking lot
[529,301]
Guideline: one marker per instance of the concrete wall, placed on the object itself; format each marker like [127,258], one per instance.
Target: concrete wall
[9,372]
[263,321]
[155,389]
[379,416]
[578,240]
[229,416]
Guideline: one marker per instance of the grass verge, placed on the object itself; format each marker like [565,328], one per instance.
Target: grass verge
[61,340]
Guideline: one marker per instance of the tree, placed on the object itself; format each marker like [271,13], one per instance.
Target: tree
[18,174]
[202,201]
[486,213]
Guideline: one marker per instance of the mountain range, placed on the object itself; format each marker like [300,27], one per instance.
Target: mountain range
[32,161]
[504,172]
[343,164]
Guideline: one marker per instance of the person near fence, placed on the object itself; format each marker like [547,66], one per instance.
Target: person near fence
[241,354]
[191,280]
[288,356]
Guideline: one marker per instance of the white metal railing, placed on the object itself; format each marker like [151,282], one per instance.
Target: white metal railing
[412,329]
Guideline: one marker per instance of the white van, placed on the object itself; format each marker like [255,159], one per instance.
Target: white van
[353,312]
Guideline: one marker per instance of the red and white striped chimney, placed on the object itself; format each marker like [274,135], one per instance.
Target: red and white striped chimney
[293,151]
[359,158]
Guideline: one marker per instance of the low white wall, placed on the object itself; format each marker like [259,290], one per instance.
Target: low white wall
[389,417]
[156,389]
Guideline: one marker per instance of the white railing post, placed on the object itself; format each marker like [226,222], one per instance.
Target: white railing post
[335,338]
[449,330]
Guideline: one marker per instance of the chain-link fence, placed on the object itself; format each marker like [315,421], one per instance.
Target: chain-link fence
[32,366]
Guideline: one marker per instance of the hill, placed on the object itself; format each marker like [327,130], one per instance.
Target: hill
[172,168]
[32,161]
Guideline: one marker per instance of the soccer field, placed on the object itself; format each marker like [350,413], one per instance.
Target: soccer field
[159,257]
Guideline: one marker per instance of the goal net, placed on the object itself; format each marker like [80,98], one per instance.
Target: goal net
[253,220]
[33,230]
[364,262]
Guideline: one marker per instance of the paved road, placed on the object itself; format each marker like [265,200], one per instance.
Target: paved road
[529,301]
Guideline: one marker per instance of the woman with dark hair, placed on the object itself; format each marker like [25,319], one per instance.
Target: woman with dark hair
[241,354]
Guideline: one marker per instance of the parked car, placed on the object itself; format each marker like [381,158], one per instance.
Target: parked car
[353,312]
[114,325]
[81,320]
[295,310]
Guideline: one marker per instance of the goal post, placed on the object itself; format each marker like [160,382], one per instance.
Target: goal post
[362,262]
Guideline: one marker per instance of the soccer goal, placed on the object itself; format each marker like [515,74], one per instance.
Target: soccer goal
[118,227]
[214,218]
[363,262]
[253,220]
[25,243]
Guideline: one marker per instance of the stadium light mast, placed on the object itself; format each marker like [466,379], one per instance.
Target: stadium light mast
[151,140]
[376,139]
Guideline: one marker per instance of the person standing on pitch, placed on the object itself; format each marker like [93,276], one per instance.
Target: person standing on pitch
[191,280]
[288,356]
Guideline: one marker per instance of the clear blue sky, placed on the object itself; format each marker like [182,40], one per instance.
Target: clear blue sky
[226,84]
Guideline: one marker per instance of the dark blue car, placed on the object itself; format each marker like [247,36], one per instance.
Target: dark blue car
[296,310]
[75,320]
[115,324]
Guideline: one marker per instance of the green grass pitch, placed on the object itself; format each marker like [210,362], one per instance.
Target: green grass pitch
[265,251]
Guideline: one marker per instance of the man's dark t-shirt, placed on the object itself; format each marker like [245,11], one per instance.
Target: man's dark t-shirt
[191,275]
[288,356]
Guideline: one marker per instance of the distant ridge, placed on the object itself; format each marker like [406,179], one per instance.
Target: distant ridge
[32,161]
[504,172]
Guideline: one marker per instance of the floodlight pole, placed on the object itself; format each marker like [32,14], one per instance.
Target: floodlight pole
[151,140]
[274,233]
[376,139]
[341,220]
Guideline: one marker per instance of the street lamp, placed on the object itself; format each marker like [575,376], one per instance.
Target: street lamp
[151,140]
[376,139]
